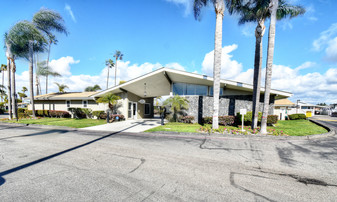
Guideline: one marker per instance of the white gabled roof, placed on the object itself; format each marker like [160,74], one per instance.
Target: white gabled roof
[158,83]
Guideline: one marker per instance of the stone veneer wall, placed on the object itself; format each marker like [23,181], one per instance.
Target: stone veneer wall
[202,106]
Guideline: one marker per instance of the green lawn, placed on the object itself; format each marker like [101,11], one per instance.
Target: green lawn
[299,128]
[291,128]
[73,123]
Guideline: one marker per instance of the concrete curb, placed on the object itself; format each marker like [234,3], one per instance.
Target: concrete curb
[331,132]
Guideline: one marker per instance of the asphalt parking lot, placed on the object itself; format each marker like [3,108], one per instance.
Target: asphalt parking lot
[60,165]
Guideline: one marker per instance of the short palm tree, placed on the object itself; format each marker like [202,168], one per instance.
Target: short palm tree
[61,87]
[92,88]
[177,103]
[219,6]
[24,89]
[49,21]
[278,9]
[118,56]
[258,11]
[25,39]
[109,63]
[110,99]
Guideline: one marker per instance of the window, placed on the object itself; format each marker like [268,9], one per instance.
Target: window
[211,91]
[189,89]
[147,109]
[68,103]
[85,103]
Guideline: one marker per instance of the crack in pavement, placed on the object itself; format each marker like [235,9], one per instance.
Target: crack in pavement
[142,161]
[153,192]
[232,182]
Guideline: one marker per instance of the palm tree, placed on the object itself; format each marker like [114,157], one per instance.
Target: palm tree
[278,9]
[26,39]
[256,11]
[22,95]
[2,92]
[61,87]
[3,68]
[110,63]
[110,99]
[118,56]
[24,89]
[8,55]
[92,88]
[219,7]
[44,70]
[49,21]
[177,103]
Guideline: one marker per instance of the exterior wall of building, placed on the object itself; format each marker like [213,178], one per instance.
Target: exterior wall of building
[283,111]
[61,105]
[202,106]
[140,107]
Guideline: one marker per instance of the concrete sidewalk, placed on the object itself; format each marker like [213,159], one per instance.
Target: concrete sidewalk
[135,126]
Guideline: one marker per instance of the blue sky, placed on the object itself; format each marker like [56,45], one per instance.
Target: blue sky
[156,33]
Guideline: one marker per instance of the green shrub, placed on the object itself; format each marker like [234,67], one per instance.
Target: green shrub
[87,112]
[223,120]
[29,112]
[187,119]
[97,113]
[272,119]
[21,110]
[43,113]
[77,113]
[2,111]
[102,115]
[297,116]
[23,115]
[59,114]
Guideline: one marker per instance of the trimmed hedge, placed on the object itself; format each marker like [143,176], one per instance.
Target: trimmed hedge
[272,119]
[23,115]
[223,120]
[21,110]
[59,114]
[97,114]
[187,119]
[297,116]
[77,113]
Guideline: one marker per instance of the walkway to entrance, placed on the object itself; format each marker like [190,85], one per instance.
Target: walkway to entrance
[135,126]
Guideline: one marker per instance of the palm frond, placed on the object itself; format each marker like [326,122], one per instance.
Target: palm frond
[197,6]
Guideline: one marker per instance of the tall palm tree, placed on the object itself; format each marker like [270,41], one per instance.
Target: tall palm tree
[49,21]
[219,6]
[24,89]
[278,9]
[109,63]
[10,65]
[257,11]
[44,70]
[3,68]
[254,11]
[61,87]
[118,56]
[26,39]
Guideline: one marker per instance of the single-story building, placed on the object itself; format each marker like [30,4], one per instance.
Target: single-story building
[283,108]
[137,95]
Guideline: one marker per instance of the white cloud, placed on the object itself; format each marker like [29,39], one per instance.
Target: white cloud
[229,68]
[185,3]
[175,65]
[331,50]
[70,12]
[325,37]
[62,65]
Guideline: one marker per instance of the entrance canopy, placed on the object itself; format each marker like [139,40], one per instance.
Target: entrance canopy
[160,83]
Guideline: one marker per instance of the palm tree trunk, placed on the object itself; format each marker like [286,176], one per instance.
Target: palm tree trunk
[116,71]
[219,10]
[107,79]
[269,68]
[14,105]
[36,77]
[9,93]
[3,82]
[31,86]
[48,66]
[259,32]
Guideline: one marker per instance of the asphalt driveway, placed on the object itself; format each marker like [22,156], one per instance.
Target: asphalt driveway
[326,120]
[61,165]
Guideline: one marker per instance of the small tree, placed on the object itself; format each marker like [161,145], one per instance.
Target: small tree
[110,99]
[176,103]
[92,88]
[61,87]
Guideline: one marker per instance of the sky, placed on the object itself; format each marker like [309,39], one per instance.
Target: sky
[163,33]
